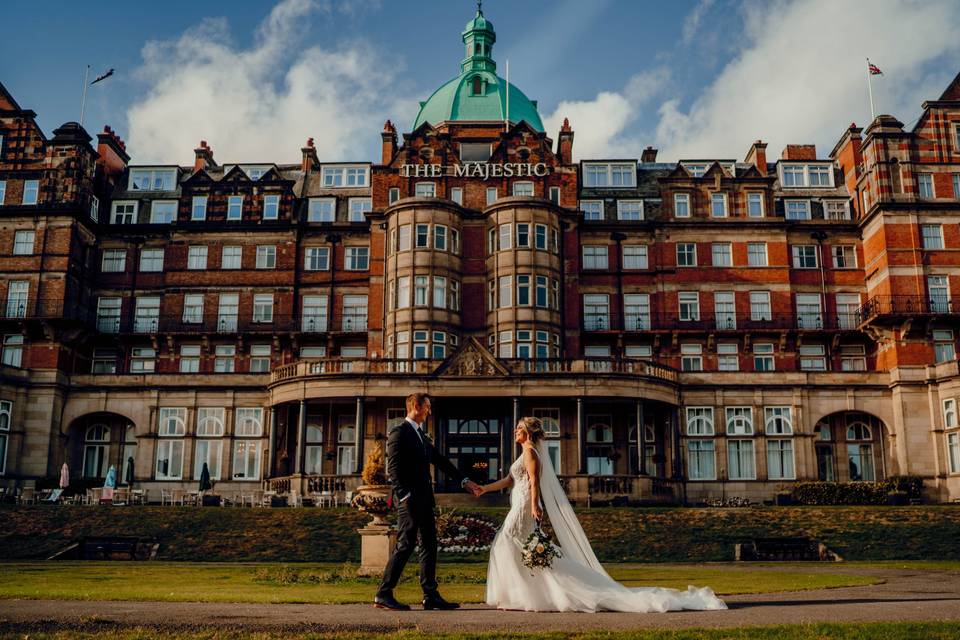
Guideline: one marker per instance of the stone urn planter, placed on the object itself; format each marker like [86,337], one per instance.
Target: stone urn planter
[372,500]
[377,539]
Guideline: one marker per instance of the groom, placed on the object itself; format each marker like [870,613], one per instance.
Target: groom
[410,452]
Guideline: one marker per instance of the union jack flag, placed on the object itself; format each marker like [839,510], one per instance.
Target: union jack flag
[874,69]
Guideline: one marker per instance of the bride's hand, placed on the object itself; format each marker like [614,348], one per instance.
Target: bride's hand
[537,512]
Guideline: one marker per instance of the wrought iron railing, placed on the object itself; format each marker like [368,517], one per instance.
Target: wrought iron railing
[907,306]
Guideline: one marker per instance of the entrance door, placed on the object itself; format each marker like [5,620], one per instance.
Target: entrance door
[473,444]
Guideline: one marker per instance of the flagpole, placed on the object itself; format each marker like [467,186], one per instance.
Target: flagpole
[873,113]
[83,101]
[506,122]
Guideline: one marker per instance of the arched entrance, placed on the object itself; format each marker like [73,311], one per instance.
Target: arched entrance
[850,446]
[97,441]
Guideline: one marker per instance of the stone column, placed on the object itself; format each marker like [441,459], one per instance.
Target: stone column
[516,418]
[641,440]
[272,444]
[359,431]
[581,451]
[301,437]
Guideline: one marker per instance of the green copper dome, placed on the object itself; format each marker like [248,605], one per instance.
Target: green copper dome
[478,93]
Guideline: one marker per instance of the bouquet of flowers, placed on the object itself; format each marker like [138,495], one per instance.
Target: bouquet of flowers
[539,550]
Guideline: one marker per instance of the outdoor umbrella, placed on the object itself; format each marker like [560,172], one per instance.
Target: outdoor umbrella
[64,476]
[129,478]
[205,478]
[109,485]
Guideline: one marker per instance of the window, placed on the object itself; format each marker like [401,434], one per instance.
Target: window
[541,294]
[322,210]
[454,295]
[609,175]
[345,176]
[316,259]
[199,209]
[725,310]
[506,297]
[780,460]
[147,315]
[953,451]
[230,257]
[143,360]
[592,209]
[123,212]
[691,357]
[523,235]
[189,358]
[403,292]
[844,256]
[94,208]
[630,209]
[596,312]
[763,357]
[555,195]
[696,170]
[113,260]
[638,351]
[346,446]
[681,205]
[728,358]
[809,315]
[172,424]
[454,241]
[506,236]
[755,205]
[197,258]
[439,292]
[523,291]
[355,313]
[777,421]
[741,460]
[686,254]
[266,257]
[949,413]
[151,260]
[924,183]
[152,180]
[836,210]
[314,314]
[491,195]
[263,307]
[227,312]
[847,306]
[404,238]
[234,207]
[30,190]
[819,176]
[636,311]
[271,207]
[595,257]
[307,353]
[357,258]
[104,361]
[359,207]
[456,194]
[793,176]
[248,422]
[635,256]
[805,256]
[425,189]
[12,354]
[108,315]
[224,358]
[18,292]
[701,459]
[956,187]
[812,357]
[422,237]
[860,452]
[943,346]
[163,211]
[420,291]
[439,237]
[760,306]
[797,209]
[757,254]
[932,236]
[718,205]
[524,189]
[688,306]
[95,446]
[938,294]
[853,357]
[259,360]
[722,254]
[193,308]
[23,241]
[393,195]
[246,460]
[3,197]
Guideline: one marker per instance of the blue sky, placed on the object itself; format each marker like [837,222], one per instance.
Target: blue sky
[696,78]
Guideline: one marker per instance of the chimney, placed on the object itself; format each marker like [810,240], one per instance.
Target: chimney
[310,159]
[799,152]
[112,151]
[565,143]
[757,156]
[389,138]
[848,156]
[649,155]
[204,157]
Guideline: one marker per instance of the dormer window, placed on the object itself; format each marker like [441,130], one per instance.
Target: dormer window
[609,175]
[477,89]
[806,175]
[152,180]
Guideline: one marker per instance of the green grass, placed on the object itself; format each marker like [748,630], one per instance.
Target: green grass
[336,584]
[618,534]
[869,631]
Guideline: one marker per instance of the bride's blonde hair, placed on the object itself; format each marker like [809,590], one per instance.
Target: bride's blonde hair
[533,427]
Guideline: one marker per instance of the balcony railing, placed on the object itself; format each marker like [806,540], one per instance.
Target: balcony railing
[763,320]
[904,306]
[192,323]
[48,309]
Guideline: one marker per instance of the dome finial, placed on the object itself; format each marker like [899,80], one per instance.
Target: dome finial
[480,7]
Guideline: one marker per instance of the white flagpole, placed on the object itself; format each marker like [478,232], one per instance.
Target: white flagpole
[506,122]
[873,113]
[83,101]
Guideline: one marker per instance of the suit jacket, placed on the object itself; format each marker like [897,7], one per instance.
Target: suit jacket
[409,460]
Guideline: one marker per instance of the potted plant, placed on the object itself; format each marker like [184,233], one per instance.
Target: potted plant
[898,498]
[372,496]
[784,497]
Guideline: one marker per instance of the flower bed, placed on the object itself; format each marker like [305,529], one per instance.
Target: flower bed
[464,533]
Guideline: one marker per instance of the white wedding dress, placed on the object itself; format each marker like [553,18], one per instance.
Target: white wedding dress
[576,581]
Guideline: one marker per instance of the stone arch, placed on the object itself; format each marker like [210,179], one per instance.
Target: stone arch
[98,440]
[852,446]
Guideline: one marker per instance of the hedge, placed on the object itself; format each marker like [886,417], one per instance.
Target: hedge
[851,493]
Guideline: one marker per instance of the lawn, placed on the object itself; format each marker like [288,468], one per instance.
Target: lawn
[870,631]
[618,534]
[337,584]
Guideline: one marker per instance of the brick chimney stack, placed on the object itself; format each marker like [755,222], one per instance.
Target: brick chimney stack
[649,155]
[757,156]
[112,151]
[310,160]
[389,139]
[565,143]
[204,157]
[799,152]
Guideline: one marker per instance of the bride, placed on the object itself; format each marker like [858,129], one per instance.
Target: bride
[576,581]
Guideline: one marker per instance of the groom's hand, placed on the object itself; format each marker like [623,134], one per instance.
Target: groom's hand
[473,488]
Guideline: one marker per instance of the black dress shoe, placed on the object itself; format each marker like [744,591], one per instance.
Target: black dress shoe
[435,601]
[389,602]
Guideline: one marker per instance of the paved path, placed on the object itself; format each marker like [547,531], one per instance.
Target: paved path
[906,595]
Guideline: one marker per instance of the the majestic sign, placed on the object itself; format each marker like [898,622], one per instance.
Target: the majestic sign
[482,170]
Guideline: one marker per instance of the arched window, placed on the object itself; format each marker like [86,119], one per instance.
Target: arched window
[346,445]
[173,421]
[249,422]
[860,451]
[778,421]
[600,433]
[95,450]
[859,431]
[739,421]
[699,421]
[210,422]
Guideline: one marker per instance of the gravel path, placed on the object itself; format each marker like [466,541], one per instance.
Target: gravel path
[905,595]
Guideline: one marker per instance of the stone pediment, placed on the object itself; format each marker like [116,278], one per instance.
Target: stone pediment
[471,360]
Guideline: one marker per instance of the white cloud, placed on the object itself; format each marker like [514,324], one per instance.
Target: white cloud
[798,77]
[261,103]
[692,22]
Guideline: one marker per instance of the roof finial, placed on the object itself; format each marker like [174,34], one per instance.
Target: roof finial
[480,7]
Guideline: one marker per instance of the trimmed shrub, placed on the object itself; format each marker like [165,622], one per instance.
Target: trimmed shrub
[840,493]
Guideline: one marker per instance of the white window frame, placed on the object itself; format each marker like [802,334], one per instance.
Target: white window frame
[123,217]
[148,257]
[347,176]
[198,208]
[755,198]
[231,257]
[155,214]
[631,210]
[356,258]
[681,205]
[266,256]
[721,199]
[271,206]
[235,207]
[316,259]
[635,257]
[322,210]
[595,257]
[113,260]
[592,209]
